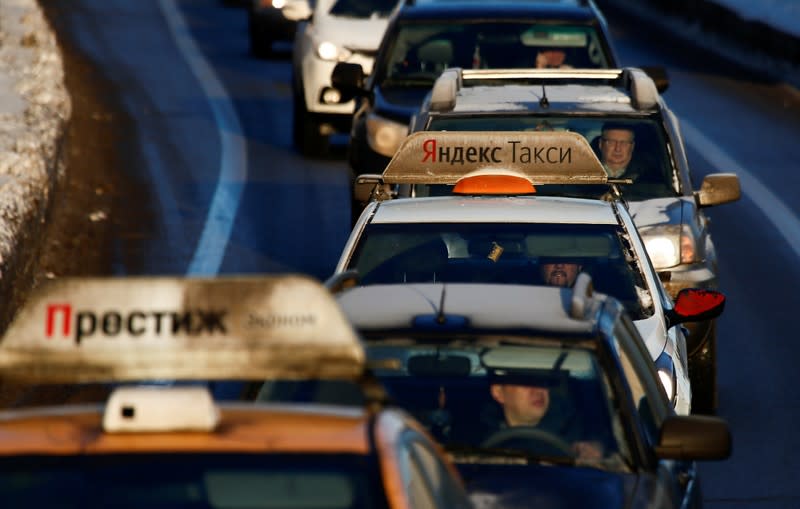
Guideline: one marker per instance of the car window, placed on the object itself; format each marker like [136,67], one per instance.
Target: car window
[648,395]
[542,401]
[190,481]
[363,8]
[654,175]
[421,51]
[438,479]
[511,253]
[415,483]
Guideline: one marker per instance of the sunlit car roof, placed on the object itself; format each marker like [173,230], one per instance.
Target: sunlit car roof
[244,428]
[367,309]
[526,98]
[502,9]
[521,209]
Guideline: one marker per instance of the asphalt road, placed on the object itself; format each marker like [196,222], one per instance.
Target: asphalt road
[150,139]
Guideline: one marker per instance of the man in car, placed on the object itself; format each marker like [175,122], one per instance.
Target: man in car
[531,406]
[560,273]
[617,142]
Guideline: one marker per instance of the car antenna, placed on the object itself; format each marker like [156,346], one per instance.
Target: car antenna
[440,318]
[543,102]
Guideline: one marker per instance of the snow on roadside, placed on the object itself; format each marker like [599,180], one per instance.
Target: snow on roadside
[34,109]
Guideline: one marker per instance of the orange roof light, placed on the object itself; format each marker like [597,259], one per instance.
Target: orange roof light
[494,184]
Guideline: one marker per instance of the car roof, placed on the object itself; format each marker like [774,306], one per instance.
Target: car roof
[542,11]
[526,98]
[494,209]
[244,428]
[544,309]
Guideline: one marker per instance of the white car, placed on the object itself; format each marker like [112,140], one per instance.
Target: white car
[493,229]
[338,31]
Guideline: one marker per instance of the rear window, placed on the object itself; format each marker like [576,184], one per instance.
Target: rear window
[421,51]
[363,8]
[511,253]
[650,166]
[190,481]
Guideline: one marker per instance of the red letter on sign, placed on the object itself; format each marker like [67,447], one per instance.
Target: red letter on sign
[52,310]
[429,147]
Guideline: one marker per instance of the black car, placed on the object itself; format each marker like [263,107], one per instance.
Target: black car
[269,21]
[425,37]
[544,396]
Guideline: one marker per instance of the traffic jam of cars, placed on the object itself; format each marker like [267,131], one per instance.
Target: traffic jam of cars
[524,313]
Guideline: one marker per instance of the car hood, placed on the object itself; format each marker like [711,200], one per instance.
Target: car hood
[399,102]
[658,211]
[551,487]
[355,34]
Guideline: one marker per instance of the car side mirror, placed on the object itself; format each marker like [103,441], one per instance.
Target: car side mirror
[349,80]
[659,76]
[366,187]
[342,281]
[695,305]
[694,437]
[718,188]
[297,10]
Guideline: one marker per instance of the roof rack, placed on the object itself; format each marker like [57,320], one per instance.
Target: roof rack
[639,85]
[582,3]
[75,330]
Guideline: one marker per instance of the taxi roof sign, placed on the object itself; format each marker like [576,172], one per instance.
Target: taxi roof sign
[150,328]
[485,182]
[544,157]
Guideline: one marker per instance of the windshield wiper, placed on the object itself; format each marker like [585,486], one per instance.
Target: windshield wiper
[392,82]
[472,454]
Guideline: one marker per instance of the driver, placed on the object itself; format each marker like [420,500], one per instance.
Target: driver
[560,273]
[529,405]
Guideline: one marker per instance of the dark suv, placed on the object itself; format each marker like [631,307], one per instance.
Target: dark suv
[425,37]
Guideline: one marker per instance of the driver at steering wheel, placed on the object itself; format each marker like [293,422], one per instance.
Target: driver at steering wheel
[531,406]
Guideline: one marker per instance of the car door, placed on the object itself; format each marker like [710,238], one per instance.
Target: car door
[677,477]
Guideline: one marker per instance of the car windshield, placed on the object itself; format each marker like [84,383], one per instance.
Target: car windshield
[482,397]
[363,8]
[512,253]
[421,51]
[190,481]
[650,163]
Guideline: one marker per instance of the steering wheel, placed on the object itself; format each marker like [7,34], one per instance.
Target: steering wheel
[531,440]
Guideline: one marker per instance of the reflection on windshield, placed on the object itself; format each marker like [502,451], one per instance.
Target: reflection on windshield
[511,253]
[421,52]
[539,402]
[363,8]
[637,146]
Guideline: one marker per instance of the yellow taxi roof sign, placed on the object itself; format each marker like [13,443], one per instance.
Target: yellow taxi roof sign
[149,328]
[544,157]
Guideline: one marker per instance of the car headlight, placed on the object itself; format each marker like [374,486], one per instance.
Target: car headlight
[666,374]
[385,136]
[329,51]
[669,245]
[277,4]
